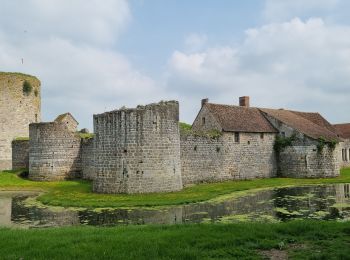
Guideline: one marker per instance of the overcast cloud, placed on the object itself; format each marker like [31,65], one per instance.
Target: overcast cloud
[298,58]
[296,64]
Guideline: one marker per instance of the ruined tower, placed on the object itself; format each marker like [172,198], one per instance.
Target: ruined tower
[19,106]
[55,150]
[138,150]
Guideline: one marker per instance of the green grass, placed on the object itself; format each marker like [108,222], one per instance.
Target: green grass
[300,239]
[185,126]
[79,193]
[85,135]
[17,74]
[186,129]
[20,138]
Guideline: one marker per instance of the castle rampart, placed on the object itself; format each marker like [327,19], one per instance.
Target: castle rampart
[303,158]
[207,159]
[19,106]
[54,152]
[138,150]
[20,154]
[88,158]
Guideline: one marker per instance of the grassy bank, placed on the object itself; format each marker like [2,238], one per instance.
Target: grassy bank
[78,193]
[298,240]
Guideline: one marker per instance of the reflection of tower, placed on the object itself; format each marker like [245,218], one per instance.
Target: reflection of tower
[342,200]
[347,191]
[5,211]
[340,193]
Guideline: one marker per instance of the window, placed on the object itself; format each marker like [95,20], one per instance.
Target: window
[283,134]
[261,135]
[203,120]
[237,137]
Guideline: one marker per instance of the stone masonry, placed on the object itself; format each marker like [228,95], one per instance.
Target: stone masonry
[344,153]
[20,154]
[302,159]
[138,150]
[19,106]
[205,159]
[55,152]
[88,158]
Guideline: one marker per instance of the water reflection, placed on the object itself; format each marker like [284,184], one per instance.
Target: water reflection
[329,202]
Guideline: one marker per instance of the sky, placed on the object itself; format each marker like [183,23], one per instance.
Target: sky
[95,56]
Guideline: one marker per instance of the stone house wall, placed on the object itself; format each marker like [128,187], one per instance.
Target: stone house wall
[205,121]
[302,159]
[138,150]
[55,152]
[205,159]
[17,110]
[344,153]
[20,154]
[68,120]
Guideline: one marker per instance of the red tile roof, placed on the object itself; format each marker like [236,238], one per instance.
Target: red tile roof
[310,124]
[343,130]
[240,119]
[317,119]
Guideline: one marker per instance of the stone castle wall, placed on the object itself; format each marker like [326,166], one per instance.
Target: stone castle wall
[55,152]
[302,159]
[88,159]
[305,161]
[138,150]
[202,160]
[20,154]
[205,159]
[18,108]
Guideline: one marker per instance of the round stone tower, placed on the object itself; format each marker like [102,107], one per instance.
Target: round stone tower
[138,150]
[19,106]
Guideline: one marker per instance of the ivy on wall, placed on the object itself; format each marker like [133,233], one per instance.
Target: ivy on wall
[322,142]
[282,142]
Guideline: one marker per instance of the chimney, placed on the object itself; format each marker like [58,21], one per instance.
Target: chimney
[204,101]
[244,101]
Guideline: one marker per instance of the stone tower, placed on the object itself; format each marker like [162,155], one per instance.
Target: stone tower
[138,150]
[19,106]
[54,150]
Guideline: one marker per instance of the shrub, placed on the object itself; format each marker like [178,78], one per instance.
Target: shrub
[27,87]
[283,142]
[322,142]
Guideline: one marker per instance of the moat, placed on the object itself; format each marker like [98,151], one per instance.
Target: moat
[324,202]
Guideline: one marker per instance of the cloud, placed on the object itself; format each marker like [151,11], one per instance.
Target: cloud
[80,21]
[68,45]
[195,42]
[280,11]
[297,64]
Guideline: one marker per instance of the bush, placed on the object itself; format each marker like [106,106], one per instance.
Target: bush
[27,87]
[322,142]
[283,142]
